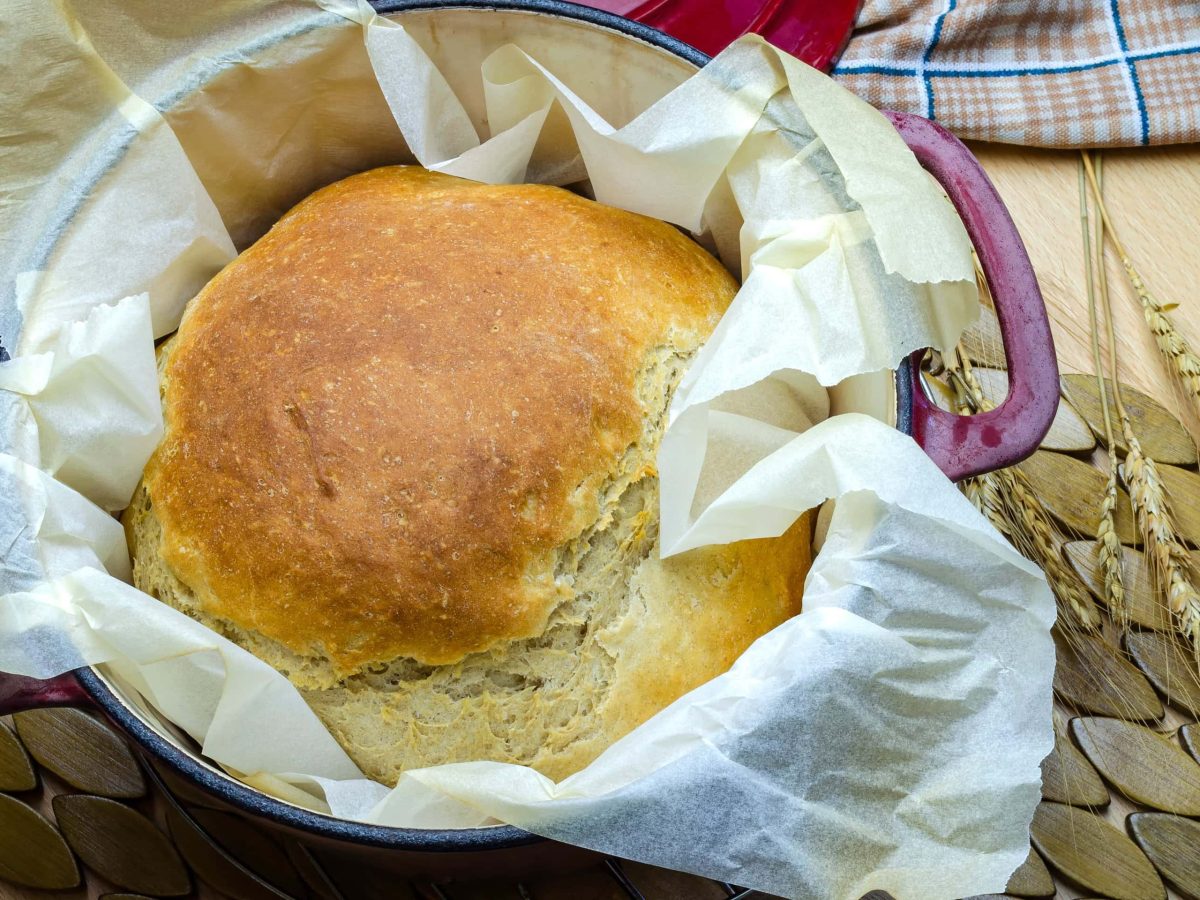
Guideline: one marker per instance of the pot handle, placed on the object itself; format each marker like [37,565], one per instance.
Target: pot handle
[19,693]
[971,445]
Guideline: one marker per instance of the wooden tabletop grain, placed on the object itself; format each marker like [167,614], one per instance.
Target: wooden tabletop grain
[1153,196]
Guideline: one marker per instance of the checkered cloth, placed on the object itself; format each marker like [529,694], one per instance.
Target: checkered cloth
[1049,73]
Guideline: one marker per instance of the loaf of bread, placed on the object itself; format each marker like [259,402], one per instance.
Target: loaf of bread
[409,461]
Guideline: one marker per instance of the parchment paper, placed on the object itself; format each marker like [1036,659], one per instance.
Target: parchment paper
[888,737]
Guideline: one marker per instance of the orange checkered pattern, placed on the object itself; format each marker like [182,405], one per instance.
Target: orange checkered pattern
[1047,73]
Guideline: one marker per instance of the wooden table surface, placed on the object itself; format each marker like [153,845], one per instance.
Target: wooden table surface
[1153,196]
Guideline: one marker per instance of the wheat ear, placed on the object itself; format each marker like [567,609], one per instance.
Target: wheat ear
[1047,552]
[985,491]
[1172,565]
[1110,553]
[1181,359]
[1007,499]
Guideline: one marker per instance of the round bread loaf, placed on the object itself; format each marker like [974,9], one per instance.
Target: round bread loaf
[409,462]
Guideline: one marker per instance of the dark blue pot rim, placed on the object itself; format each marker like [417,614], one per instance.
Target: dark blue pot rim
[256,803]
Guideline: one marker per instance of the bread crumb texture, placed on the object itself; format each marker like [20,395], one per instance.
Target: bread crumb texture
[409,462]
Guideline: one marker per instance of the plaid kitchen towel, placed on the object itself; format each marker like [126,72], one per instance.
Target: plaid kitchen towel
[1049,73]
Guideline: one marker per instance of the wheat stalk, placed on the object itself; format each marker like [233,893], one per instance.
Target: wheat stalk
[1171,565]
[1109,552]
[1181,359]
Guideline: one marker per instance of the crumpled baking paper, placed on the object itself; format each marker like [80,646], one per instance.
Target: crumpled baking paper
[888,737]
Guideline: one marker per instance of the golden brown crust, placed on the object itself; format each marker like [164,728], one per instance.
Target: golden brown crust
[385,417]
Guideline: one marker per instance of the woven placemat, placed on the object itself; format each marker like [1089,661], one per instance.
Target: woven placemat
[82,817]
